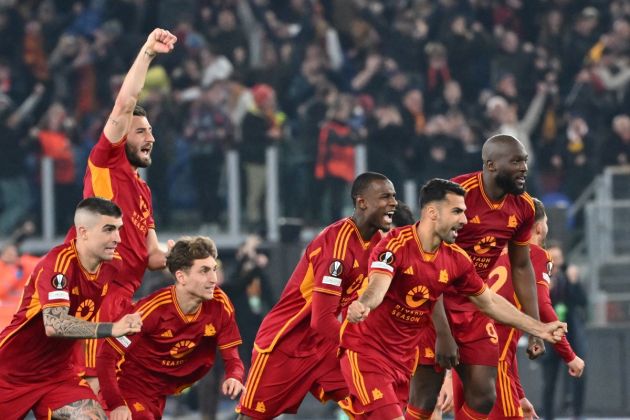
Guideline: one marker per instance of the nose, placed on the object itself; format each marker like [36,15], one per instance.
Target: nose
[523,166]
[463,219]
[212,277]
[116,236]
[150,137]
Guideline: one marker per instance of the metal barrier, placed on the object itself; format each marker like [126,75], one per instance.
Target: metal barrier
[48,198]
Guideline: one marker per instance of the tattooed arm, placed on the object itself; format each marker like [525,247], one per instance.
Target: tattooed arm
[85,409]
[58,323]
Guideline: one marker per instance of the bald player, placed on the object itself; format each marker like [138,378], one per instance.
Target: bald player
[500,213]
[58,305]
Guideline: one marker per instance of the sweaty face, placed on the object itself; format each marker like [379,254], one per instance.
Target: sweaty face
[451,217]
[512,170]
[201,278]
[139,143]
[380,198]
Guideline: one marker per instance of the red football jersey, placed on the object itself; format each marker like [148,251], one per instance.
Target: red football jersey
[392,330]
[174,350]
[110,175]
[491,225]
[26,353]
[500,280]
[334,263]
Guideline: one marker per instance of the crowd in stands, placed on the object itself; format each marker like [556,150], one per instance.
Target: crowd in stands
[422,83]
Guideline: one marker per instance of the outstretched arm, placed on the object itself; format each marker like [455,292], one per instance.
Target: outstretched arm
[58,323]
[496,307]
[160,41]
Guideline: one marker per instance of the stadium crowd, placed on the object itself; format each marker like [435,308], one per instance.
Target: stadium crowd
[421,82]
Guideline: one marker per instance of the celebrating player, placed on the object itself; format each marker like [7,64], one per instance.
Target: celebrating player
[511,401]
[112,172]
[183,325]
[500,213]
[59,302]
[409,269]
[295,350]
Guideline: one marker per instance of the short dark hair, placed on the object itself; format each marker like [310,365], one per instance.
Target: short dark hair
[362,182]
[138,111]
[403,215]
[99,205]
[188,249]
[539,210]
[436,190]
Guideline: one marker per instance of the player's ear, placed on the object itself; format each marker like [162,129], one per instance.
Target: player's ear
[360,203]
[180,277]
[82,232]
[490,165]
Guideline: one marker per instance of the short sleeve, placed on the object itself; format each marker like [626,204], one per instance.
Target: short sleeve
[524,230]
[228,335]
[53,284]
[104,154]
[387,255]
[329,262]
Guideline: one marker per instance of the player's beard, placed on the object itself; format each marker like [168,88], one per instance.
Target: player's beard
[135,160]
[506,182]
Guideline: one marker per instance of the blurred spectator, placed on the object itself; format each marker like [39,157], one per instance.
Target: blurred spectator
[262,127]
[617,147]
[15,269]
[335,168]
[251,293]
[14,187]
[575,156]
[54,133]
[569,300]
[209,131]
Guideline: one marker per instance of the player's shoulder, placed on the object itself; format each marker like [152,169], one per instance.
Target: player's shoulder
[221,300]
[335,239]
[456,252]
[468,181]
[60,258]
[156,302]
[398,237]
[538,253]
[526,202]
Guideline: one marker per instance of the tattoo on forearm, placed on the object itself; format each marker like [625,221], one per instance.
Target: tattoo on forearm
[113,121]
[65,325]
[83,409]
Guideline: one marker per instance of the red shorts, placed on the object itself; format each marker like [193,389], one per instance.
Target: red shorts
[476,337]
[143,408]
[508,402]
[376,390]
[277,382]
[426,347]
[117,302]
[42,398]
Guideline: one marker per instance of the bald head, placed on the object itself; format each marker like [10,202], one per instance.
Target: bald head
[500,146]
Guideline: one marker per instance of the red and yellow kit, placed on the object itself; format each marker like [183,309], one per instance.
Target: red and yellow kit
[110,175]
[380,353]
[172,352]
[296,345]
[31,363]
[491,225]
[509,390]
